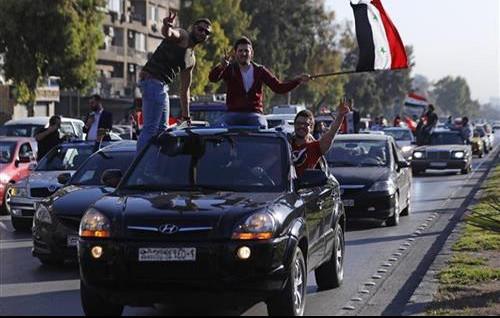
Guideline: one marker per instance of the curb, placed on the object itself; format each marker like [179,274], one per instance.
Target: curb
[424,294]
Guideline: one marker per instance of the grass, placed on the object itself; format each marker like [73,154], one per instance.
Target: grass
[466,275]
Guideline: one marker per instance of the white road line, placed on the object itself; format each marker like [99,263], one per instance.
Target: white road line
[31,289]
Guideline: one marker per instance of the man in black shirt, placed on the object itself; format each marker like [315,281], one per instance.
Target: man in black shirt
[49,138]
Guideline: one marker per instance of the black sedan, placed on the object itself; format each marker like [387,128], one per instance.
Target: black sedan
[57,219]
[217,211]
[375,177]
[446,151]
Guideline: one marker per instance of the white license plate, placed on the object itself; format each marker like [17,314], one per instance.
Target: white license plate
[72,241]
[439,164]
[167,254]
[349,203]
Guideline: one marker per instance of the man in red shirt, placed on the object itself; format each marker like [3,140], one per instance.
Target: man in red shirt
[306,151]
[245,80]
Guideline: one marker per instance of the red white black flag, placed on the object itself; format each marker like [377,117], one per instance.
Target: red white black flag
[380,45]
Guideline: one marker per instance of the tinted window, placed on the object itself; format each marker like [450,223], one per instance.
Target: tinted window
[246,164]
[7,150]
[91,172]
[446,139]
[20,130]
[356,153]
[65,158]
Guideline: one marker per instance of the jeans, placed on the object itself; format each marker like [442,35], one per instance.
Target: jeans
[243,119]
[155,110]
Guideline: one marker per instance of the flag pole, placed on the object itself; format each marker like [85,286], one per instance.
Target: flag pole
[353,72]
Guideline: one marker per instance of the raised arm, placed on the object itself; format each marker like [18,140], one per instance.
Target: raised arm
[326,142]
[280,87]
[169,32]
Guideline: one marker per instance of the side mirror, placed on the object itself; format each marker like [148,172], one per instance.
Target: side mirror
[111,178]
[32,167]
[403,164]
[64,178]
[312,179]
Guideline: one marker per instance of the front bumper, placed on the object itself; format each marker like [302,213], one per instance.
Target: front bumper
[120,276]
[51,241]
[369,205]
[24,207]
[440,165]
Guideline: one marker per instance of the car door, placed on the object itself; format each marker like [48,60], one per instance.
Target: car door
[25,150]
[403,175]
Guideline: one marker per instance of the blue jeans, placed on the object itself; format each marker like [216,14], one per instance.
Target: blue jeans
[155,110]
[243,119]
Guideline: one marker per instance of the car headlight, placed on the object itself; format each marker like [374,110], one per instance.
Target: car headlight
[418,155]
[259,226]
[459,155]
[383,186]
[19,192]
[42,214]
[4,178]
[95,224]
[406,149]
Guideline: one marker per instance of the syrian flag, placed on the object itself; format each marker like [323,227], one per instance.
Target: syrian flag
[380,46]
[414,100]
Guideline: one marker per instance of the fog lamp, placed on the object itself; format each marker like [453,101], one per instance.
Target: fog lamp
[97,252]
[244,253]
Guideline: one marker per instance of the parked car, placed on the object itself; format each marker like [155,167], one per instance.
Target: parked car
[16,155]
[57,219]
[29,127]
[490,134]
[42,183]
[447,150]
[375,177]
[479,130]
[230,217]
[404,139]
[496,125]
[288,109]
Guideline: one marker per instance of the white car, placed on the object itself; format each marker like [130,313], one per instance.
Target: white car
[288,109]
[29,127]
[276,120]
[404,139]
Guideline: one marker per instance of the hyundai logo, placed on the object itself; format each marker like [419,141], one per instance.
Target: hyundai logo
[168,229]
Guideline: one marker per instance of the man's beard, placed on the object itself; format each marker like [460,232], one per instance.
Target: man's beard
[194,39]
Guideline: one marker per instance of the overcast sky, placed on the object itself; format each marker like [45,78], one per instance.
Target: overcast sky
[450,37]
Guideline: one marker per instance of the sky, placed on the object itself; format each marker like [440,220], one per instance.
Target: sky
[450,37]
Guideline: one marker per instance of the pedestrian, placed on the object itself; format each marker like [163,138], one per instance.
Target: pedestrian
[397,121]
[306,151]
[431,124]
[356,116]
[245,80]
[174,56]
[50,137]
[97,119]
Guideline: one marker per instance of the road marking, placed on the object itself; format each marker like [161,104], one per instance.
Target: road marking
[30,289]
[7,245]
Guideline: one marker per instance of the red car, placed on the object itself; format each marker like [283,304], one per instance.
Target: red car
[16,156]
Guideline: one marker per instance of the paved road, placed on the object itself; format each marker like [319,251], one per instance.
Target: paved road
[383,264]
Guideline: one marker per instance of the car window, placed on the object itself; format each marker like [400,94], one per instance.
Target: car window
[359,153]
[400,134]
[79,129]
[25,150]
[240,163]
[439,139]
[65,158]
[20,130]
[67,129]
[91,172]
[7,150]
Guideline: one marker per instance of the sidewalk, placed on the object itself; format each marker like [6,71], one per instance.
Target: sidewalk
[464,279]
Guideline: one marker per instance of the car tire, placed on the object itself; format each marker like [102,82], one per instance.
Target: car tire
[466,170]
[331,274]
[407,210]
[291,300]
[94,304]
[394,220]
[5,209]
[20,224]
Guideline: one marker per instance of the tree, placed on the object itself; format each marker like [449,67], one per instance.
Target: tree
[50,38]
[453,96]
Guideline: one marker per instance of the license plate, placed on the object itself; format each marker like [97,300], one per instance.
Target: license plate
[439,164]
[72,241]
[167,254]
[348,203]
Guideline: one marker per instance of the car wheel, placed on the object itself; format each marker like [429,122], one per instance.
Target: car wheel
[407,210]
[5,210]
[94,304]
[291,300]
[467,170]
[394,220]
[331,274]
[20,224]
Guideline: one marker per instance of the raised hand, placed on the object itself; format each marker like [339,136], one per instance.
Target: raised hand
[226,59]
[169,21]
[344,107]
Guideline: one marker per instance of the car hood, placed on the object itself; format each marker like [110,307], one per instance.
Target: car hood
[215,212]
[443,148]
[76,200]
[360,175]
[43,179]
[404,143]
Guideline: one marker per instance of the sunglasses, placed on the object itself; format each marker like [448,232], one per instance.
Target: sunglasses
[303,124]
[206,31]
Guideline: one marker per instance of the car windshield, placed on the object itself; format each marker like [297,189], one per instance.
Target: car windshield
[399,134]
[65,158]
[214,163]
[480,132]
[91,172]
[440,139]
[20,130]
[356,153]
[7,150]
[211,116]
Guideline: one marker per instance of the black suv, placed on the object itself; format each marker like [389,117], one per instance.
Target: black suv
[212,210]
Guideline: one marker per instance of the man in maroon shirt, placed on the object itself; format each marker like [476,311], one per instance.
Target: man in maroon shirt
[245,80]
[306,151]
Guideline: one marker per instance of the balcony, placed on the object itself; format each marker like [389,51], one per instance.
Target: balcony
[112,53]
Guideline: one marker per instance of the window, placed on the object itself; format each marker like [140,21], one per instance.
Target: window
[153,13]
[115,6]
[140,42]
[25,150]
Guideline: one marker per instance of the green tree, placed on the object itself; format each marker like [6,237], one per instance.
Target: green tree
[50,38]
[453,96]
